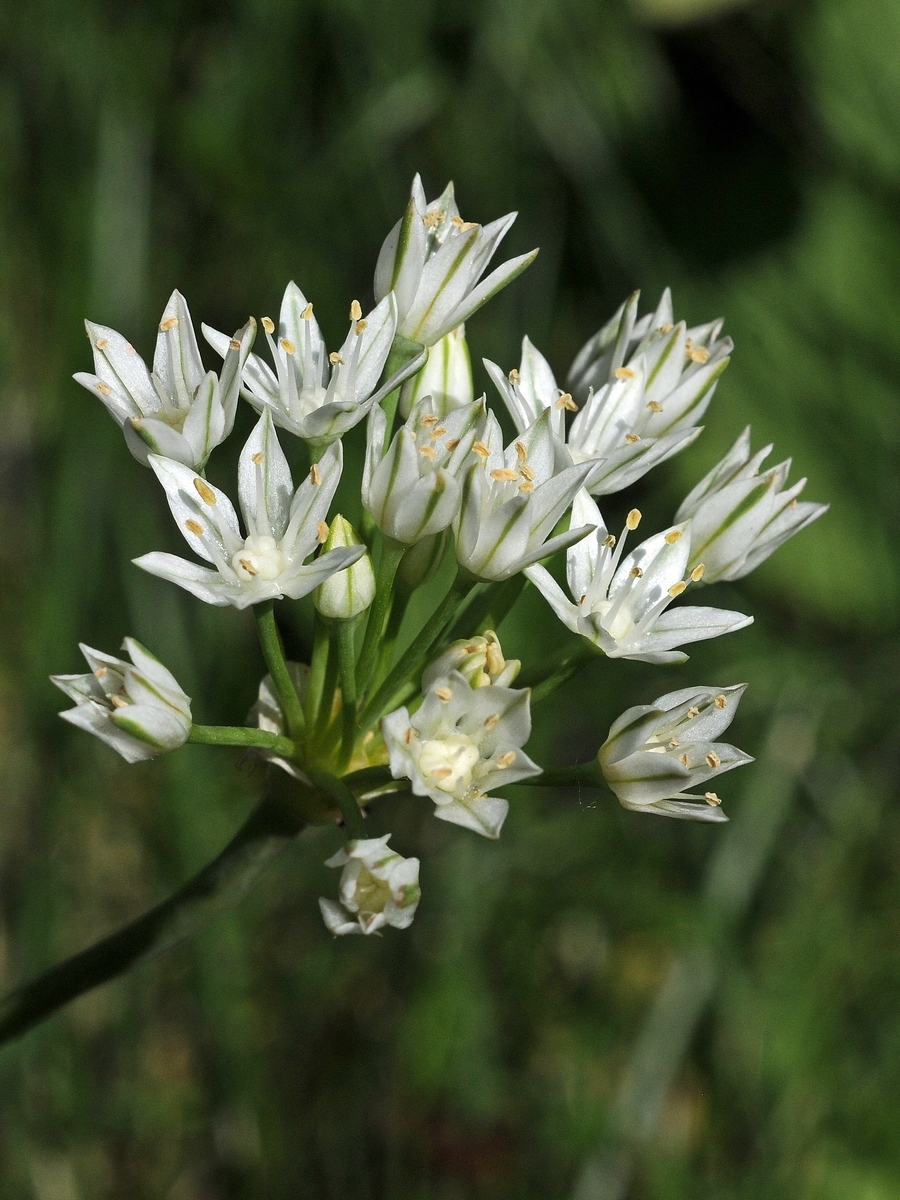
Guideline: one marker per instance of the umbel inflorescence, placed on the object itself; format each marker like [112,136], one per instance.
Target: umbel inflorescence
[448,716]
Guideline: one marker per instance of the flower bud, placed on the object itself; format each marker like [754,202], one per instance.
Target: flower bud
[479,660]
[446,376]
[349,592]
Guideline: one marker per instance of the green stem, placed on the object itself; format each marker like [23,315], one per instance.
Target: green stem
[238,735]
[221,884]
[318,669]
[391,554]
[273,652]
[403,352]
[412,661]
[327,706]
[347,658]
[392,629]
[578,775]
[556,670]
[345,800]
[489,608]
[367,778]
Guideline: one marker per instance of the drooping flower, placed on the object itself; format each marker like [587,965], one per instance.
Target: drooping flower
[413,490]
[638,389]
[284,527]
[446,376]
[313,394]
[461,744]
[512,500]
[654,752]
[479,660]
[378,887]
[740,515]
[432,261]
[619,603]
[178,409]
[136,707]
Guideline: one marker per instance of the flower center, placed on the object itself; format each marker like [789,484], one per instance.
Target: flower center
[259,557]
[371,894]
[448,762]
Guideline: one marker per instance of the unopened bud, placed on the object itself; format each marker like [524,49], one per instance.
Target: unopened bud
[349,592]
[479,660]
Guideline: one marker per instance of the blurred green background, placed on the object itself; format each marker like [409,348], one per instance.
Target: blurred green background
[602,1006]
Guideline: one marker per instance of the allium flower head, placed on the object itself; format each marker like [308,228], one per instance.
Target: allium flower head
[178,409]
[136,707]
[619,603]
[513,499]
[740,515]
[654,752]
[413,490]
[432,260]
[284,527]
[313,394]
[378,888]
[461,744]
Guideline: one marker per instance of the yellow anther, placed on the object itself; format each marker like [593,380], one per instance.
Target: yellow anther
[793,504]
[693,712]
[713,760]
[442,772]
[697,573]
[334,358]
[712,798]
[633,519]
[355,310]
[168,323]
[118,701]
[521,452]
[429,420]
[443,693]
[624,373]
[667,328]
[481,450]
[204,491]
[636,573]
[361,327]
[103,388]
[322,532]
[234,344]
[654,406]
[463,226]
[268,324]
[609,541]
[673,536]
[194,526]
[101,343]
[439,432]
[307,313]
[492,720]
[674,744]
[504,475]
[684,759]
[101,671]
[258,458]
[677,588]
[433,218]
[631,438]
[315,474]
[720,701]
[408,736]
[288,346]
[506,760]
[427,451]
[452,444]
[514,376]
[527,472]
[248,566]
[700,354]
[566,402]
[527,487]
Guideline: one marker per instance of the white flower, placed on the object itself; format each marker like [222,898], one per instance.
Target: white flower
[284,527]
[432,261]
[413,490]
[639,390]
[459,745]
[378,888]
[479,660]
[446,376]
[739,516]
[177,410]
[619,604]
[313,394]
[137,707]
[655,751]
[347,593]
[513,499]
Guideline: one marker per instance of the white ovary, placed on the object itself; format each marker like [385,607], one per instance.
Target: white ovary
[447,763]
[259,557]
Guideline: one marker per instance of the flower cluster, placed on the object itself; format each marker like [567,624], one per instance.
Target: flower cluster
[391,701]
